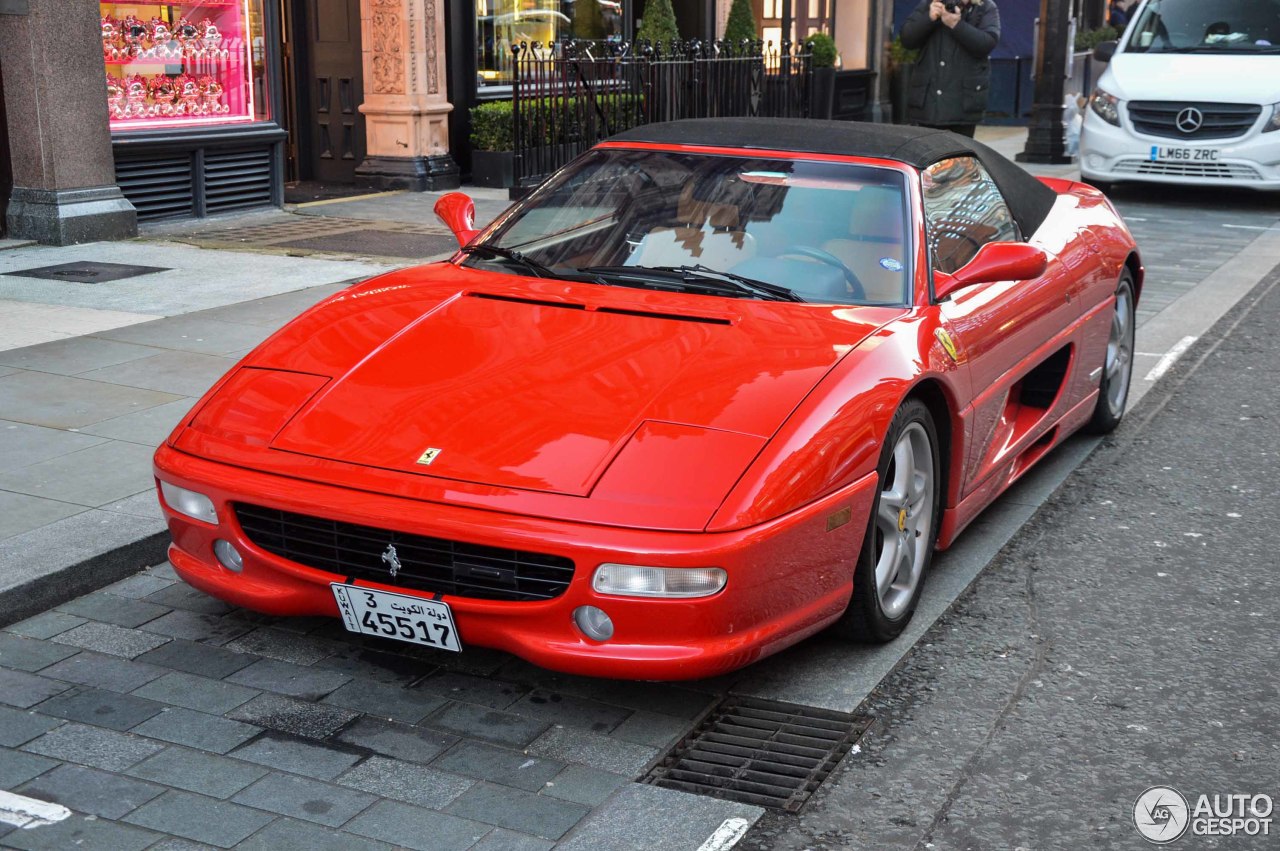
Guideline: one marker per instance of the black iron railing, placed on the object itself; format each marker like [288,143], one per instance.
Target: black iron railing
[567,96]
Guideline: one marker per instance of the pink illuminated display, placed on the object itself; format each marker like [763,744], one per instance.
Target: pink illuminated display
[180,64]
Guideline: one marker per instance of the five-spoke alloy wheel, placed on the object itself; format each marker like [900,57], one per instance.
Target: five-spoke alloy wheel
[898,544]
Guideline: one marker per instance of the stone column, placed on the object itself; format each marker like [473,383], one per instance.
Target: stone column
[64,184]
[406,107]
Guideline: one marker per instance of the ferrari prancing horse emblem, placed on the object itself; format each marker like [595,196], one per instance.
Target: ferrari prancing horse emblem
[947,343]
[428,456]
[392,560]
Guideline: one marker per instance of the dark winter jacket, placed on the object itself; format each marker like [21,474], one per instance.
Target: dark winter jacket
[950,83]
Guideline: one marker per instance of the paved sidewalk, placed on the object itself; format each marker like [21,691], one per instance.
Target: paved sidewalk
[93,376]
[162,717]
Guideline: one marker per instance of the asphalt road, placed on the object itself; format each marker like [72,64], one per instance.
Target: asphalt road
[1126,638]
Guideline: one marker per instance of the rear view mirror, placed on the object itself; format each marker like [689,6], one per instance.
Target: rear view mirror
[995,261]
[458,212]
[1104,50]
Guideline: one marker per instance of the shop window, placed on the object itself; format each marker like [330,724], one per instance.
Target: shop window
[502,23]
[177,64]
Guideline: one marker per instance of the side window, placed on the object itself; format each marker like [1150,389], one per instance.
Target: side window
[963,210]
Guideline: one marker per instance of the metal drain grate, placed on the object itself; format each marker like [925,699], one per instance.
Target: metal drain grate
[88,272]
[759,752]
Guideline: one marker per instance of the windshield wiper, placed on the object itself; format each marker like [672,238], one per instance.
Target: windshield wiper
[704,278]
[527,262]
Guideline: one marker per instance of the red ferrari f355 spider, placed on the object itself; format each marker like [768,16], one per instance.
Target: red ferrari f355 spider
[713,387]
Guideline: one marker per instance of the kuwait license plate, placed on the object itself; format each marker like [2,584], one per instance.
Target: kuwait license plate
[398,616]
[1184,155]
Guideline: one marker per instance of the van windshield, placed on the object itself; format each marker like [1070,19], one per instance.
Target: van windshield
[1206,26]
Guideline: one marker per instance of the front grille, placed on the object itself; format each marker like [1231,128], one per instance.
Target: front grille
[427,564]
[1216,171]
[1220,120]
[759,752]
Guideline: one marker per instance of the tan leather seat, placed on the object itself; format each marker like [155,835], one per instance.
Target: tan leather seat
[875,235]
[708,235]
[690,246]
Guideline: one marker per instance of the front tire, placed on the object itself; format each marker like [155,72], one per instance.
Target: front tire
[1117,368]
[898,545]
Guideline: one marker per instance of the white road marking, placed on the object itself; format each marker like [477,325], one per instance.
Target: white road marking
[1170,358]
[726,835]
[21,811]
[1249,227]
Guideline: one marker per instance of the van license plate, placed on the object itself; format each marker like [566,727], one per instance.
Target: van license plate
[1184,155]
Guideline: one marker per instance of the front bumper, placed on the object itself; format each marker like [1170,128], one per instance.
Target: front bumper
[787,579]
[1114,154]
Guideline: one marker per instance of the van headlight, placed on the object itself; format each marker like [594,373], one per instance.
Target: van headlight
[1106,106]
[1274,122]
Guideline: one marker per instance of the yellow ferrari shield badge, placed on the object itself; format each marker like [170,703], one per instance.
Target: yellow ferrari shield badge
[947,343]
[428,456]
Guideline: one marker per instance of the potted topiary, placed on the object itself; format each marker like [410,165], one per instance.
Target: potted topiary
[822,50]
[492,145]
[658,23]
[741,25]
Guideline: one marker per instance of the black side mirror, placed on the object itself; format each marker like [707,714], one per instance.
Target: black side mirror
[1105,50]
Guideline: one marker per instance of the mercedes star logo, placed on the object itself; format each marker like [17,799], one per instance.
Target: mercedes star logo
[1190,120]
[392,560]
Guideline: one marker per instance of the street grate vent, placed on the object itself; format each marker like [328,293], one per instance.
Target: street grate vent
[88,273]
[759,752]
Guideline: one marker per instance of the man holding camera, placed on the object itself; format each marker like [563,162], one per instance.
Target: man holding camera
[950,83]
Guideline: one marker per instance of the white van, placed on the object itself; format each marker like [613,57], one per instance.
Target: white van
[1191,95]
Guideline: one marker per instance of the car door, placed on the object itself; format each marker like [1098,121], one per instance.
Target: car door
[1003,329]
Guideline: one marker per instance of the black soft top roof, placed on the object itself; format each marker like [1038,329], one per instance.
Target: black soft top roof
[1029,199]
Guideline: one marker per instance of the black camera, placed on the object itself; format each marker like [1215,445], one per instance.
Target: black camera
[952,7]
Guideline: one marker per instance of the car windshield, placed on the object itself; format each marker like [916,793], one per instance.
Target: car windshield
[742,227]
[1206,26]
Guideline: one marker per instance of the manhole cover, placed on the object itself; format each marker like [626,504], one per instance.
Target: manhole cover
[759,752]
[378,243]
[88,272]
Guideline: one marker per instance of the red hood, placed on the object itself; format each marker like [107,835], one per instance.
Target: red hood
[538,385]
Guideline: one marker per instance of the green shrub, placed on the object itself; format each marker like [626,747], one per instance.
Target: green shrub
[658,23]
[491,126]
[899,55]
[823,48]
[555,120]
[741,25]
[1089,39]
[588,20]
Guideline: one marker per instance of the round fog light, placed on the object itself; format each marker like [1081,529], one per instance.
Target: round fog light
[593,622]
[1095,161]
[228,555]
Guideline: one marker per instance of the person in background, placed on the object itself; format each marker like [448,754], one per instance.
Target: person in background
[950,82]
[1117,15]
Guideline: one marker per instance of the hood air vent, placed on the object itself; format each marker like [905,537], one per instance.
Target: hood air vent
[618,311]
